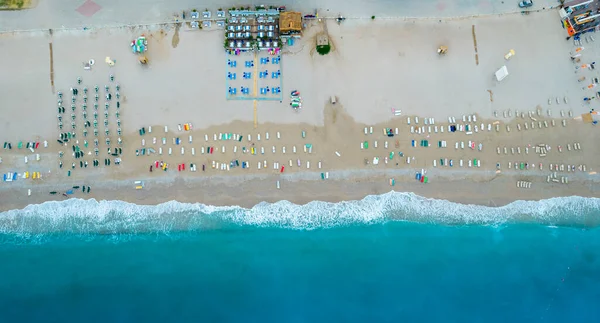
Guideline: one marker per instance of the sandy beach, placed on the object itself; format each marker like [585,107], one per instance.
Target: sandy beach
[376,67]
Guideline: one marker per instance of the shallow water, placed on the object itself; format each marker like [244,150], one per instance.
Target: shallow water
[213,267]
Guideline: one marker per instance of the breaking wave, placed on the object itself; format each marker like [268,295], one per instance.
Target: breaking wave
[79,216]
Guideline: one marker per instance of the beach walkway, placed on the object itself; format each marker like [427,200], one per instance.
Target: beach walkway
[74,14]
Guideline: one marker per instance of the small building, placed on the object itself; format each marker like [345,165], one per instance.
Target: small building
[579,16]
[290,24]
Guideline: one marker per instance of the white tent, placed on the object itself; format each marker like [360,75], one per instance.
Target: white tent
[501,73]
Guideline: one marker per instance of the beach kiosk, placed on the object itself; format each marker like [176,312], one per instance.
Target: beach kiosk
[501,73]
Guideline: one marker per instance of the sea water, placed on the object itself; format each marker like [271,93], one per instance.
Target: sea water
[389,258]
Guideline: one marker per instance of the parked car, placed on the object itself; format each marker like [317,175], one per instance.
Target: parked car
[525,3]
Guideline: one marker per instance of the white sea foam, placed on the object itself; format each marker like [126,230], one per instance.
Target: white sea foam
[114,217]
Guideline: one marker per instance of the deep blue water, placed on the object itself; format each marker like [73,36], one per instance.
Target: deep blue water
[385,272]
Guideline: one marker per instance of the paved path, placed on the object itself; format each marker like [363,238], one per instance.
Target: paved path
[58,14]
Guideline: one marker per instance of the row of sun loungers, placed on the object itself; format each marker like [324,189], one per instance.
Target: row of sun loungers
[523,184]
[555,179]
[449,162]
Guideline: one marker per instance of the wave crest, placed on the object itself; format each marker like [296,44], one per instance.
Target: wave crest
[116,217]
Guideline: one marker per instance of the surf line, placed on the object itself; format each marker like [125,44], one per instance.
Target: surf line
[51,61]
[475,44]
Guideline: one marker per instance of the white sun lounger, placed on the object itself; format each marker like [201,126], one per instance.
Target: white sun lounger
[461,163]
[214,137]
[266,136]
[319,165]
[160,150]
[408,121]
[193,151]
[294,149]
[283,150]
[258,137]
[170,150]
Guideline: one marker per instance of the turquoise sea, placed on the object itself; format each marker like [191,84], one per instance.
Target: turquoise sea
[389,258]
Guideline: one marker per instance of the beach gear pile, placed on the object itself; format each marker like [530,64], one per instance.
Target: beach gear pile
[139,45]
[296,100]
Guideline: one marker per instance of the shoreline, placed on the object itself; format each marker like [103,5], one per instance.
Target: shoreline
[248,191]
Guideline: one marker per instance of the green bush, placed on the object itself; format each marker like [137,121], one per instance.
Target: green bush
[323,49]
